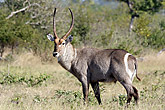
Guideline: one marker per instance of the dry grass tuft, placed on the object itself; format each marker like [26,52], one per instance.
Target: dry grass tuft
[152,62]
[27,59]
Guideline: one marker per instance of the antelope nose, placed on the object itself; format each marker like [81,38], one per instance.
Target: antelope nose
[55,54]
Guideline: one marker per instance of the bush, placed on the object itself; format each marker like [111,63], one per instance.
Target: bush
[156,40]
[82,26]
[150,37]
[29,81]
[142,28]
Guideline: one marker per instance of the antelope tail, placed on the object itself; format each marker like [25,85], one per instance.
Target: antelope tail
[136,71]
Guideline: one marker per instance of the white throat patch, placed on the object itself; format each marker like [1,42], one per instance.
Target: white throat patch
[75,53]
[58,56]
[64,52]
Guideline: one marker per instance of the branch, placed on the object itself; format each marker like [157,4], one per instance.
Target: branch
[160,51]
[130,5]
[23,9]
[27,1]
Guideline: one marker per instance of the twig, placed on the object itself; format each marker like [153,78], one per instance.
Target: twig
[23,9]
[160,51]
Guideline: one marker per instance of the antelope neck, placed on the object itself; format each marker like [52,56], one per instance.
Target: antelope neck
[69,55]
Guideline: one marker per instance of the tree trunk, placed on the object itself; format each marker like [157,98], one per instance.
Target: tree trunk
[2,50]
[131,23]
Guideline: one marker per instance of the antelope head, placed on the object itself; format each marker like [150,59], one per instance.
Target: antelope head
[60,44]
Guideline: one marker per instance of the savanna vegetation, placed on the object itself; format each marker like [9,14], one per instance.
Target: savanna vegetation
[30,77]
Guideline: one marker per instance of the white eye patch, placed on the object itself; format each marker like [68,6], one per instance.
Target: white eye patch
[50,37]
[63,43]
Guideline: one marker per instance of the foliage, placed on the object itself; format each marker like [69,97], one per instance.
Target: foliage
[122,99]
[29,81]
[105,38]
[14,33]
[162,25]
[95,25]
[70,96]
[151,92]
[73,96]
[14,4]
[140,6]
[39,99]
[5,35]
[156,39]
[150,37]
[142,28]
[129,46]
[151,6]
[82,26]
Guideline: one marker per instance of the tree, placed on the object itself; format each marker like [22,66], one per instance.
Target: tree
[18,6]
[82,25]
[15,32]
[5,33]
[25,23]
[138,7]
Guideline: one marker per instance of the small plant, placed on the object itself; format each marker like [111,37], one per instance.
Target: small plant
[155,87]
[122,99]
[73,97]
[129,46]
[114,99]
[69,96]
[30,81]
[162,25]
[143,93]
[39,99]
[15,100]
[92,99]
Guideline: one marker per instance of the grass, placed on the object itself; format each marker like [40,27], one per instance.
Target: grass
[28,84]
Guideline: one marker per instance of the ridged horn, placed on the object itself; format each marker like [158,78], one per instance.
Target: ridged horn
[54,24]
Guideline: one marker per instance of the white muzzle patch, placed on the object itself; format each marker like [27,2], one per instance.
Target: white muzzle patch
[56,54]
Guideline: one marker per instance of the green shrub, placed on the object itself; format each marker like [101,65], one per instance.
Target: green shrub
[82,26]
[142,28]
[29,81]
[122,99]
[70,97]
[150,37]
[129,46]
[156,39]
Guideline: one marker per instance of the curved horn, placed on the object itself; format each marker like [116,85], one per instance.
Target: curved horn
[71,26]
[54,25]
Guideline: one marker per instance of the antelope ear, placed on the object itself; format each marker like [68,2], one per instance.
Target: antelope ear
[69,39]
[50,37]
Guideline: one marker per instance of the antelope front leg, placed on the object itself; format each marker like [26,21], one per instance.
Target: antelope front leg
[85,87]
[95,86]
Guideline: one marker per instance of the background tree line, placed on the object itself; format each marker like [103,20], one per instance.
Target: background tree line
[134,25]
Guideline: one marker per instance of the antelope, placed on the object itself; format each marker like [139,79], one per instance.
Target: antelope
[92,65]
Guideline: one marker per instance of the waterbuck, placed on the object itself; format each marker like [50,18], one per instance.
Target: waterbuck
[92,65]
